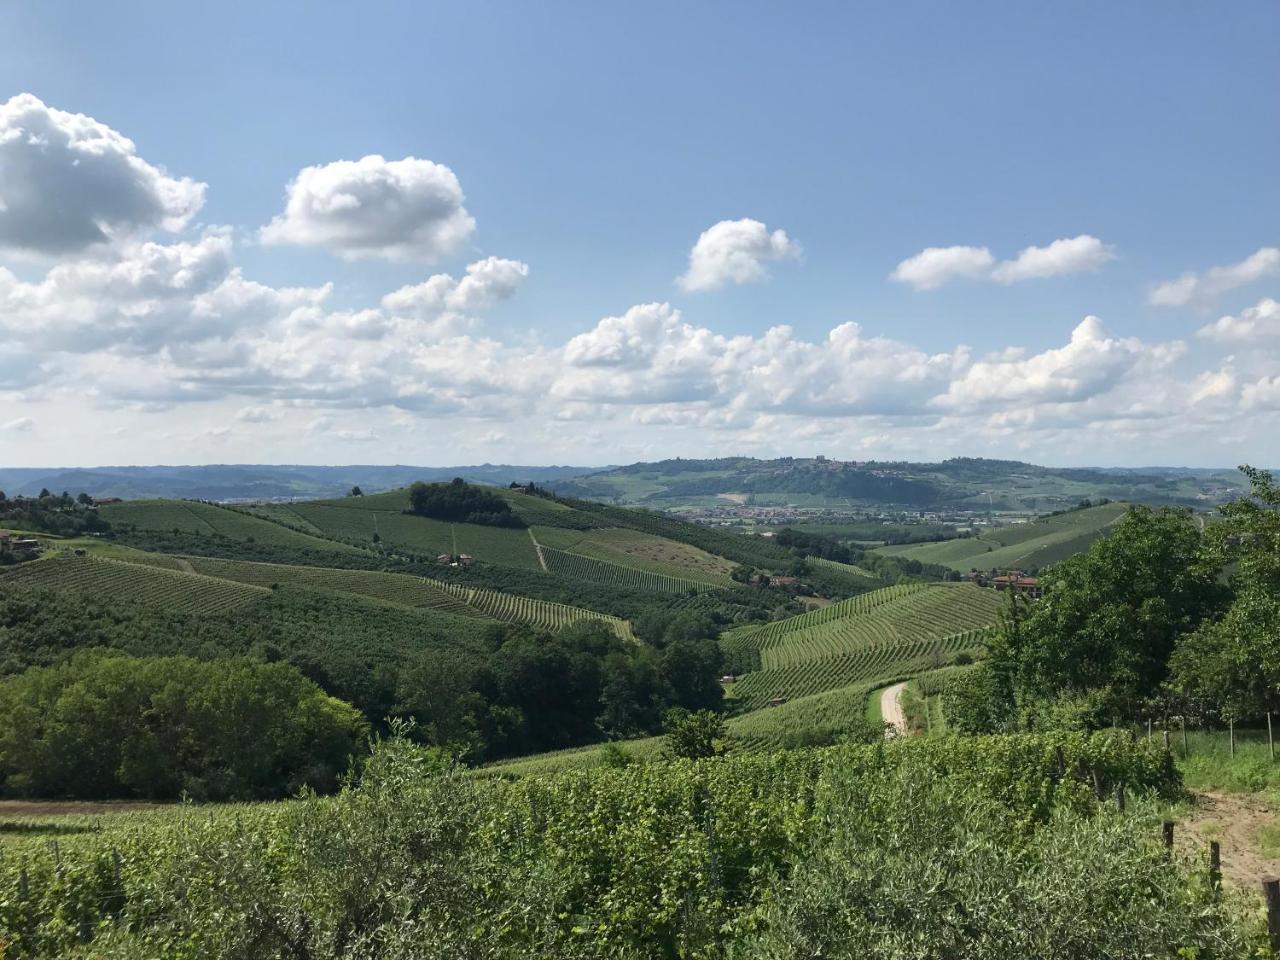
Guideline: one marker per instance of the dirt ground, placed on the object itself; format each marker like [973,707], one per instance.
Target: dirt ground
[1234,820]
[53,808]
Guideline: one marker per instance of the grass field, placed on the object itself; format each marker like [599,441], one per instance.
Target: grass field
[643,551]
[119,580]
[1019,546]
[188,516]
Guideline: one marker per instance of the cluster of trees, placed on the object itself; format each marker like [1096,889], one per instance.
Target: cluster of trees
[461,502]
[537,692]
[60,514]
[103,724]
[1161,617]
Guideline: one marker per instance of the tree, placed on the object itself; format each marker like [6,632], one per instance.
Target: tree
[84,499]
[356,491]
[1234,663]
[1111,616]
[695,736]
[692,670]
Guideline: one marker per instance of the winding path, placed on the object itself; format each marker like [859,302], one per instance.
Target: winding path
[891,710]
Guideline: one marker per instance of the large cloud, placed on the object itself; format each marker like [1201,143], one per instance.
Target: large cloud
[934,266]
[1253,323]
[735,251]
[1092,363]
[68,182]
[407,210]
[1212,283]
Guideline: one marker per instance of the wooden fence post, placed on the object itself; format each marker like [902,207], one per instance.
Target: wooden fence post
[1185,751]
[1062,761]
[1231,736]
[1148,728]
[1215,861]
[1120,797]
[1271,743]
[1271,891]
[1166,739]
[1167,835]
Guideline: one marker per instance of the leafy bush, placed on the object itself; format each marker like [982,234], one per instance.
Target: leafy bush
[106,725]
[902,850]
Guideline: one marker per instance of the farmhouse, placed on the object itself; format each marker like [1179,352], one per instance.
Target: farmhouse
[1019,583]
[760,580]
[11,541]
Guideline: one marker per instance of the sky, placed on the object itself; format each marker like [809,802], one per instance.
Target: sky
[456,232]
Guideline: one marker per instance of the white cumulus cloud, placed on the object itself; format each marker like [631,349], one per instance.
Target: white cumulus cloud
[934,266]
[1260,320]
[1062,256]
[1212,283]
[68,182]
[19,424]
[406,210]
[735,251]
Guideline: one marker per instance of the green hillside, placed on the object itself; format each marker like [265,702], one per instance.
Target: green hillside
[119,580]
[189,516]
[1022,546]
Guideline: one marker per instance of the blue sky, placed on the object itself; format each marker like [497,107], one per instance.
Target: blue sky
[594,144]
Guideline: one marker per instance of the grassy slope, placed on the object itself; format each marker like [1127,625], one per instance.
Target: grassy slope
[642,551]
[1036,544]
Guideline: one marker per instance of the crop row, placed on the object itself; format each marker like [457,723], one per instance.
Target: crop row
[575,566]
[391,587]
[763,634]
[875,664]
[921,615]
[118,580]
[543,614]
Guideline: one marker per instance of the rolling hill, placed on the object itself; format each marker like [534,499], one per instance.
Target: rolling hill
[1024,546]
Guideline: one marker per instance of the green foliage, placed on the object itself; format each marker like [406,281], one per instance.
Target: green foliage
[696,735]
[463,502]
[799,853]
[1111,616]
[1233,663]
[63,516]
[106,725]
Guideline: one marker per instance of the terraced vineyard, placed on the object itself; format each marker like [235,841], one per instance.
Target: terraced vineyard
[391,587]
[761,635]
[879,664]
[538,613]
[848,570]
[118,580]
[562,563]
[189,516]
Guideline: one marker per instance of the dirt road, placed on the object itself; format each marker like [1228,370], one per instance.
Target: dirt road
[891,710]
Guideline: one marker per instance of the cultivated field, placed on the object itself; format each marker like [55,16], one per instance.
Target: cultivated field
[643,551]
[186,516]
[537,613]
[1020,546]
[118,580]
[576,566]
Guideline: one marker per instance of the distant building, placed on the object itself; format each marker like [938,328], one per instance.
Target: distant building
[1019,583]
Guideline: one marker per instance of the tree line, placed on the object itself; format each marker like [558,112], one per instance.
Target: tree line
[1166,616]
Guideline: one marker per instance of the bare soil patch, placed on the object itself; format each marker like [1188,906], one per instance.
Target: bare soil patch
[55,808]
[1235,820]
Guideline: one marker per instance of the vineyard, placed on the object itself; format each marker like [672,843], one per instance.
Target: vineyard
[632,548]
[390,587]
[1019,546]
[155,586]
[562,563]
[165,516]
[872,664]
[542,614]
